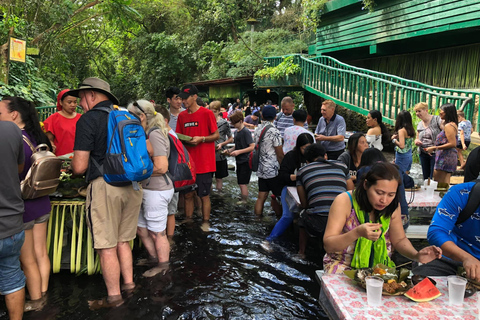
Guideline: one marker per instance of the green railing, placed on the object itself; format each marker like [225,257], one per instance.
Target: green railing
[363,90]
[45,112]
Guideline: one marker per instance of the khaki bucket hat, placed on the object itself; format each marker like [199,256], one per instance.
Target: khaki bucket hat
[95,84]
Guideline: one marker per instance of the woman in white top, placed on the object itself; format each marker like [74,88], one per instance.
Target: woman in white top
[377,132]
[157,191]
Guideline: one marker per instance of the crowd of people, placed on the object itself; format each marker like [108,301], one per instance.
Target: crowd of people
[350,198]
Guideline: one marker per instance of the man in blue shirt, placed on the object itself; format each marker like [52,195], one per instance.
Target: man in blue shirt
[331,130]
[460,243]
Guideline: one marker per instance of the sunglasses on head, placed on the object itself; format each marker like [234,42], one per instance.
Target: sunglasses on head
[136,104]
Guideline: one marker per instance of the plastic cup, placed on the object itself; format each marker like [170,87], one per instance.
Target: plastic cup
[456,290]
[425,184]
[434,184]
[430,191]
[374,290]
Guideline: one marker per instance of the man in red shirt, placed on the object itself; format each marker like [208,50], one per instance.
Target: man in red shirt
[200,124]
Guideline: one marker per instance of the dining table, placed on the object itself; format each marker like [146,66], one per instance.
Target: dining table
[342,298]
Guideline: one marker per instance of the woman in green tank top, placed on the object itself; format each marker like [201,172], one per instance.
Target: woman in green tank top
[364,225]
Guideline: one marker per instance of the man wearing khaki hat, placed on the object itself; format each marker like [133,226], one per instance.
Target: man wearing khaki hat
[111,211]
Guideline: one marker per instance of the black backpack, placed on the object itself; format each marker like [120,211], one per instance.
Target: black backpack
[472,204]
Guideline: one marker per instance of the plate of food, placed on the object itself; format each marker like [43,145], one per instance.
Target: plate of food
[395,281]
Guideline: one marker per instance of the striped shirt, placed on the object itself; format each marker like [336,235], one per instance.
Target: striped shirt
[283,121]
[322,182]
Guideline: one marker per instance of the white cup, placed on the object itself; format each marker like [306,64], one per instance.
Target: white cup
[430,192]
[374,290]
[456,290]
[434,184]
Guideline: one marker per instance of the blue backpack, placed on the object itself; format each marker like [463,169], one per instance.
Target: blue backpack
[127,159]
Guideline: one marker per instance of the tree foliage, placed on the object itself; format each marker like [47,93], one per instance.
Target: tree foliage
[143,46]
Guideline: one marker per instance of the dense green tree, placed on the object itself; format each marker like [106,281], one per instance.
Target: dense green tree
[143,46]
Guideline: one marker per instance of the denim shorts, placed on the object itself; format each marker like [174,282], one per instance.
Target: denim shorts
[404,160]
[12,278]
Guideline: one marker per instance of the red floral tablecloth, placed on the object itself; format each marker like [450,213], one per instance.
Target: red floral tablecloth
[420,199]
[350,302]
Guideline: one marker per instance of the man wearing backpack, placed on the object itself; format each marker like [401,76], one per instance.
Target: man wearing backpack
[271,155]
[200,124]
[111,211]
[456,232]
[12,236]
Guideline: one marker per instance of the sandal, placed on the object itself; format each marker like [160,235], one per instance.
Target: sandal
[162,268]
[104,303]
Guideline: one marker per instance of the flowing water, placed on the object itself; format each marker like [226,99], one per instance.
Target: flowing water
[218,271]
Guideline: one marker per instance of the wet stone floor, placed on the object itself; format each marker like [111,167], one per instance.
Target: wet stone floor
[218,271]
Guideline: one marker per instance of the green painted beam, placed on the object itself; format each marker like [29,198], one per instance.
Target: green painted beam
[339,4]
[453,20]
[402,36]
[396,20]
[406,10]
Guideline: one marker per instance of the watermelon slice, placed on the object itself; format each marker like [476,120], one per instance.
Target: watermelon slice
[423,291]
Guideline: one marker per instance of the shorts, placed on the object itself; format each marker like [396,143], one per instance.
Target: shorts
[459,144]
[154,210]
[222,169]
[112,213]
[29,225]
[243,173]
[12,278]
[313,223]
[173,204]
[273,184]
[204,184]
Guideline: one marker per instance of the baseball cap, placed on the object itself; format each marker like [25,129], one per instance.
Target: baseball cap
[269,112]
[187,91]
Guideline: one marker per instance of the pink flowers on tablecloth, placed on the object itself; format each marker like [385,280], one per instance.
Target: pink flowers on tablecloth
[375,313]
[390,304]
[446,312]
[412,313]
[357,304]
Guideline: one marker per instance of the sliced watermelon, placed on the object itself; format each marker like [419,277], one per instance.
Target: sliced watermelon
[423,291]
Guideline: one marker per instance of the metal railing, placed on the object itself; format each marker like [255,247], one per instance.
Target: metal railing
[363,90]
[47,111]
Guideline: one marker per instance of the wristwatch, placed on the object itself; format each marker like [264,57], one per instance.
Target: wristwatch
[203,139]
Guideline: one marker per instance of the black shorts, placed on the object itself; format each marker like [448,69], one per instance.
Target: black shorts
[459,144]
[204,184]
[313,223]
[222,169]
[273,184]
[243,173]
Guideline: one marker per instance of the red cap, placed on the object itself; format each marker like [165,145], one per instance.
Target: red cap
[60,97]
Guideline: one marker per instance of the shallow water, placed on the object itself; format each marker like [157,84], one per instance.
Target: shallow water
[219,273]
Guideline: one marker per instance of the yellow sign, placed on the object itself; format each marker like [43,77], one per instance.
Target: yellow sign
[17,50]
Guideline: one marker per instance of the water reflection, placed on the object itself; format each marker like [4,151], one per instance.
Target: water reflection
[218,271]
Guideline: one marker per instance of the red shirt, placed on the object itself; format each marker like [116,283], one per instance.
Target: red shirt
[201,123]
[64,131]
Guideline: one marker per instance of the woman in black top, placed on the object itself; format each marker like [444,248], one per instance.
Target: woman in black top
[357,143]
[287,176]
